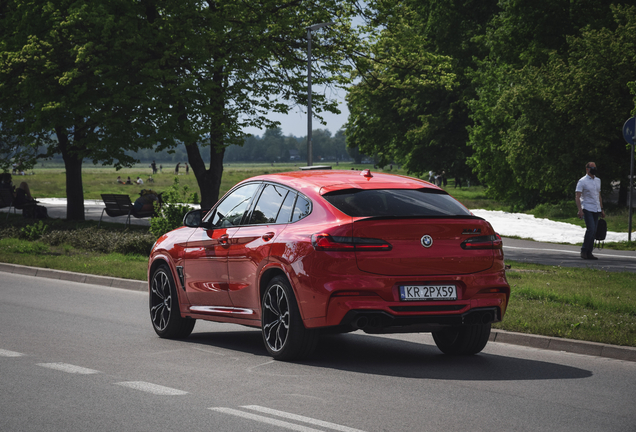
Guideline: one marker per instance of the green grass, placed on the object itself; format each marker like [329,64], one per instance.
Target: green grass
[64,257]
[574,303]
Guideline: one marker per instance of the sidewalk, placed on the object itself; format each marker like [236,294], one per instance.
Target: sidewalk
[522,339]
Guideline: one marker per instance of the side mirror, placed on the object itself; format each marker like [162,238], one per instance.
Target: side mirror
[193,218]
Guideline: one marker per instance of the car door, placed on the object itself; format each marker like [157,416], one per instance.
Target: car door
[206,252]
[250,245]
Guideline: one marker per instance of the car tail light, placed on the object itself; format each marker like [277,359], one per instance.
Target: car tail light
[326,242]
[483,242]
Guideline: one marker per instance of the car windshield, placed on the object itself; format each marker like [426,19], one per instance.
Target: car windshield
[396,203]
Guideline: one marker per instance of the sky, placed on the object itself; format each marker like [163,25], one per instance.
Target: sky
[295,123]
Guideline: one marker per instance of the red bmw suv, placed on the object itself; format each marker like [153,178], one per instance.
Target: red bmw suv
[303,252]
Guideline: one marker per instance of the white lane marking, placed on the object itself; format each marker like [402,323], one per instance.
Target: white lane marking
[569,251]
[300,418]
[7,353]
[68,368]
[267,420]
[152,388]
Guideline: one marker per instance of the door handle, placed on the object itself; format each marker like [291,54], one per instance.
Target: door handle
[224,240]
[268,236]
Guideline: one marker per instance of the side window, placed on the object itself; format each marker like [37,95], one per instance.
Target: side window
[302,208]
[268,205]
[284,215]
[231,210]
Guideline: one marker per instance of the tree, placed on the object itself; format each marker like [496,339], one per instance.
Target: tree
[411,103]
[219,66]
[68,81]
[548,105]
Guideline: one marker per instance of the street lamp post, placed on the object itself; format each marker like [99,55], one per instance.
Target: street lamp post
[310,158]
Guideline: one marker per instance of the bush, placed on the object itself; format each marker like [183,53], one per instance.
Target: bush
[33,232]
[170,215]
[99,240]
[562,210]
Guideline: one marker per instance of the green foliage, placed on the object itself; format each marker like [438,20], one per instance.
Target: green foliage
[93,79]
[33,232]
[410,105]
[170,214]
[552,98]
[103,241]
[225,66]
[562,210]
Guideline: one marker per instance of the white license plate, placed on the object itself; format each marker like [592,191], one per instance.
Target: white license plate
[428,292]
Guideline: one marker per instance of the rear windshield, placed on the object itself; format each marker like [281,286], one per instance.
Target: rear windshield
[396,203]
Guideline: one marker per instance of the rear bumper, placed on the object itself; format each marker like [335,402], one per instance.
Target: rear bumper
[376,315]
[378,322]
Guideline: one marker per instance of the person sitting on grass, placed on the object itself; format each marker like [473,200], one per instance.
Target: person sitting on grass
[128,181]
[139,181]
[119,180]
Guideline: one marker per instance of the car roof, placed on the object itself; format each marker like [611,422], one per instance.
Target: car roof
[324,181]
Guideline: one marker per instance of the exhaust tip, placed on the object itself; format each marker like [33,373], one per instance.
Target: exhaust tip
[361,322]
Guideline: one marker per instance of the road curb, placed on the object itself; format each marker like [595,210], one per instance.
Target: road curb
[568,345]
[513,338]
[108,281]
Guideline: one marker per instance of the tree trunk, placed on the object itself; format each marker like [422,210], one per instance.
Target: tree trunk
[209,181]
[74,187]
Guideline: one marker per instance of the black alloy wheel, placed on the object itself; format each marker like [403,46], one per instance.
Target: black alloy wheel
[284,333]
[164,306]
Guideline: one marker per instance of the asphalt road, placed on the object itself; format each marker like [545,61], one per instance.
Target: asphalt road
[567,255]
[76,357]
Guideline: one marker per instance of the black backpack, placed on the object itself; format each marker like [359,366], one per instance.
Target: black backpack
[601,233]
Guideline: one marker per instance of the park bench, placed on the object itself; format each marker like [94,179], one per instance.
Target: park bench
[120,205]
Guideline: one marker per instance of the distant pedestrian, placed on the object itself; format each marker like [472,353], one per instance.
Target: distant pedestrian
[590,204]
[153,165]
[160,168]
[176,169]
[187,169]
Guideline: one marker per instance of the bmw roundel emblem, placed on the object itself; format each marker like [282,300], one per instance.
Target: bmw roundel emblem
[427,241]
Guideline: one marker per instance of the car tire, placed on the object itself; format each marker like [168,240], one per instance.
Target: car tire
[164,306]
[284,333]
[462,340]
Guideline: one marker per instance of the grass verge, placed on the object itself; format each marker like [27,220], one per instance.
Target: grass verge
[65,257]
[575,303]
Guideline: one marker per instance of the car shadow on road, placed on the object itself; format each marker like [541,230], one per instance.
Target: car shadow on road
[398,358]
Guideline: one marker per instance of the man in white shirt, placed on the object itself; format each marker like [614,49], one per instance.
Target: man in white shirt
[590,204]
[139,181]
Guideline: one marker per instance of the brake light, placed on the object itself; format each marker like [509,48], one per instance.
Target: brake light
[483,242]
[326,242]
